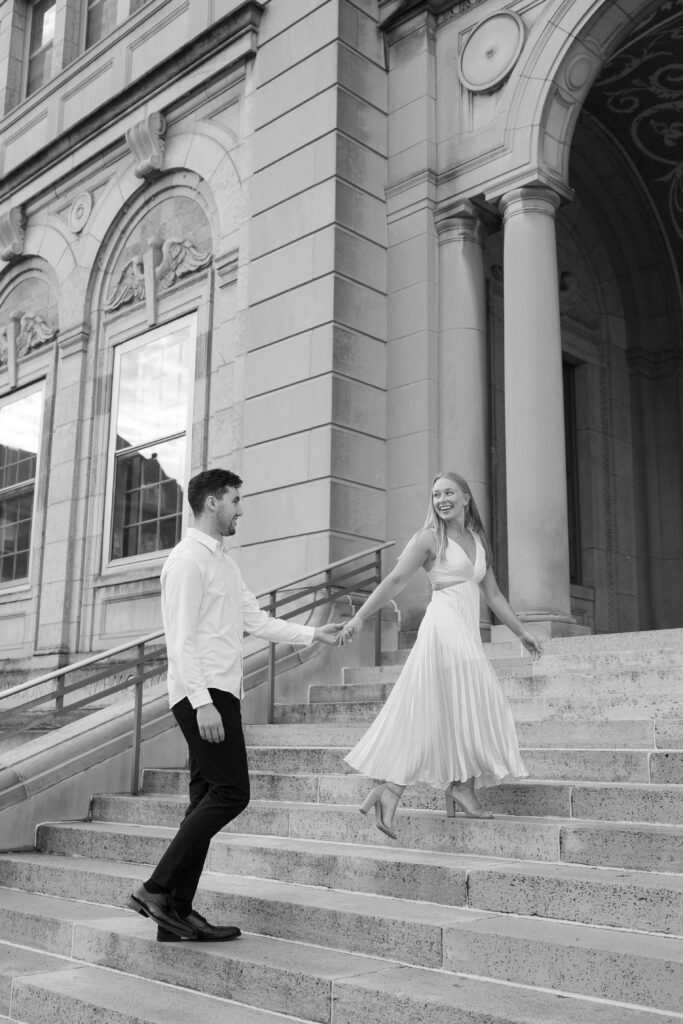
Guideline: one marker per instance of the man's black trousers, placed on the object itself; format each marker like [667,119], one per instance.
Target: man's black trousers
[219,791]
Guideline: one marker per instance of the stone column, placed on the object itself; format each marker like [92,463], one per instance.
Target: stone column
[463,443]
[538,548]
[463,369]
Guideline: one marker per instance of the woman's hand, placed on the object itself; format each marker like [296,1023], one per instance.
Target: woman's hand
[531,643]
[347,631]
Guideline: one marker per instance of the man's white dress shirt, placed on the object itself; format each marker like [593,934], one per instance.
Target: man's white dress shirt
[206,608]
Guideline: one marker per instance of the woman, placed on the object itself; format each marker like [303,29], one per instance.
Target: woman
[446,721]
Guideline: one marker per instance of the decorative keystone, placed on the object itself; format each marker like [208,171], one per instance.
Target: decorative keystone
[146,142]
[12,232]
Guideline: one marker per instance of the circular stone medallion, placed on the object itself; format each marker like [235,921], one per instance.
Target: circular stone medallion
[491,51]
[80,211]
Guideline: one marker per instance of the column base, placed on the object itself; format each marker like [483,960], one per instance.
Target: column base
[544,629]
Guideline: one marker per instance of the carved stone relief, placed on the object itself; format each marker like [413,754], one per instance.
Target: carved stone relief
[24,333]
[171,259]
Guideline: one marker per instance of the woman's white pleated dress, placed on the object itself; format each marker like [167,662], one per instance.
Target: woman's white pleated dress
[447,718]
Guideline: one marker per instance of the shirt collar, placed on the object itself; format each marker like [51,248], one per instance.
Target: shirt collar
[214,546]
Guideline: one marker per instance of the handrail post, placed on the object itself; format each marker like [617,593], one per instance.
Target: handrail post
[59,694]
[137,724]
[378,617]
[272,606]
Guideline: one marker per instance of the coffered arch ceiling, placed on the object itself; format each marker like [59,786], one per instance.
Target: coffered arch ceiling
[638,102]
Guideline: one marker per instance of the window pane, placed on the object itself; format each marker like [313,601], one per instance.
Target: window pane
[147,493]
[154,384]
[135,5]
[19,434]
[101,20]
[15,535]
[39,70]
[42,24]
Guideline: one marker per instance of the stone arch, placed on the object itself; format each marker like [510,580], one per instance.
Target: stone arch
[29,309]
[203,155]
[567,50]
[143,215]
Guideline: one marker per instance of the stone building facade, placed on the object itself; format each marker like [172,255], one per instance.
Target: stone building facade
[338,245]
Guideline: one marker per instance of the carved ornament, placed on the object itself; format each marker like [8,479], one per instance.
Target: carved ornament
[25,332]
[146,142]
[33,332]
[79,212]
[491,52]
[171,260]
[130,286]
[178,259]
[12,231]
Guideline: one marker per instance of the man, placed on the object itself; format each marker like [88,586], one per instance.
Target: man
[205,608]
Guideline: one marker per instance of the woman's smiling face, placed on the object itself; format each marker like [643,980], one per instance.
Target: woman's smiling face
[449,500]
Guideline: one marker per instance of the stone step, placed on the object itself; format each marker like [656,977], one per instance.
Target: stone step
[552,732]
[258,970]
[643,847]
[643,900]
[17,962]
[98,996]
[325,985]
[409,996]
[598,962]
[348,713]
[539,702]
[542,763]
[509,660]
[593,801]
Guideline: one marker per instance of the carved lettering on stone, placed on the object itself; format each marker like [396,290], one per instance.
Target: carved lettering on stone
[12,231]
[460,8]
[146,142]
[178,259]
[130,286]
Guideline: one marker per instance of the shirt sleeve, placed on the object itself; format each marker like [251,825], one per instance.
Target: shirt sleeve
[182,606]
[259,623]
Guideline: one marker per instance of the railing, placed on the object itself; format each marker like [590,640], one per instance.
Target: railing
[148,657]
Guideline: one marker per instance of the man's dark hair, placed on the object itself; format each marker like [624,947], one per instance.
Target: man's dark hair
[212,482]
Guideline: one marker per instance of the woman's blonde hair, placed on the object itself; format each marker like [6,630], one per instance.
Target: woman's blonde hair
[472,517]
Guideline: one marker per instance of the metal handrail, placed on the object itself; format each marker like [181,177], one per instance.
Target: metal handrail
[333,587]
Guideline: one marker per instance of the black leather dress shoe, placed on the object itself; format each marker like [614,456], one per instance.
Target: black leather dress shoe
[204,932]
[155,905]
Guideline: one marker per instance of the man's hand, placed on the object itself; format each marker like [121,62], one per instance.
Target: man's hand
[327,634]
[210,724]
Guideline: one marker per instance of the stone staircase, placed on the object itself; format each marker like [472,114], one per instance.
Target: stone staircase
[567,908]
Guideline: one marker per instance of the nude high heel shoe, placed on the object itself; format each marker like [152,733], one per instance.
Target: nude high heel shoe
[452,800]
[373,799]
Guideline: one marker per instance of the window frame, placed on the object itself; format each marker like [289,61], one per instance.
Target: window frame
[38,387]
[30,8]
[111,565]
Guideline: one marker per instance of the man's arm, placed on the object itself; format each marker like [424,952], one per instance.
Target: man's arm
[259,623]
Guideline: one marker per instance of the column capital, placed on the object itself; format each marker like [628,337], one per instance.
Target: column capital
[530,199]
[461,221]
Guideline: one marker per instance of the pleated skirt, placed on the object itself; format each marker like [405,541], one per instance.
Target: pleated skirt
[447,718]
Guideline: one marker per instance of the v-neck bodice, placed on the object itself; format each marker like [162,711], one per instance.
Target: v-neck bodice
[455,567]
